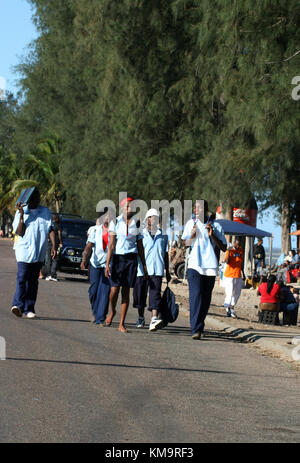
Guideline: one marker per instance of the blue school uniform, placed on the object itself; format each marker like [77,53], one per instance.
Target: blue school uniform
[99,285]
[203,266]
[30,251]
[124,260]
[155,249]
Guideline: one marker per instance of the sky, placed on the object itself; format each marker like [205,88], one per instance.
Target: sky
[17,31]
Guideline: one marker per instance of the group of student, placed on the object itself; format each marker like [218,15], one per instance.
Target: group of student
[121,256]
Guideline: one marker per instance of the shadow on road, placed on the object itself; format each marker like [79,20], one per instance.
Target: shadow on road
[119,365]
[62,319]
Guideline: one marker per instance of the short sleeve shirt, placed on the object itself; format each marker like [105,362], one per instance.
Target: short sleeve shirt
[32,247]
[155,249]
[234,266]
[99,254]
[126,236]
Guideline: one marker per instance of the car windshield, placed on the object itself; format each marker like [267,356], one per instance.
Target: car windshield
[75,230]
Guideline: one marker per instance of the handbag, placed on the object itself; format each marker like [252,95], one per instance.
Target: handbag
[169,310]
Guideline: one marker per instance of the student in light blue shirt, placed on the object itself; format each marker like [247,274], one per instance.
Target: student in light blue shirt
[95,253]
[157,260]
[32,224]
[206,239]
[125,244]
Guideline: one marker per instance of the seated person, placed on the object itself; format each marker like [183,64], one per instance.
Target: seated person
[295,292]
[288,302]
[282,272]
[269,291]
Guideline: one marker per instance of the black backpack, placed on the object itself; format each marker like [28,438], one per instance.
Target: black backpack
[168,308]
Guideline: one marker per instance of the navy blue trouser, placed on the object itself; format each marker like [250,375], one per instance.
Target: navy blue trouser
[200,291]
[289,307]
[140,291]
[27,286]
[99,293]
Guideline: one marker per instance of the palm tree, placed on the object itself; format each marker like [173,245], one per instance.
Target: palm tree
[43,167]
[11,185]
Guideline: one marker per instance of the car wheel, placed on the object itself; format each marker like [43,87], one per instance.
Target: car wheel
[179,271]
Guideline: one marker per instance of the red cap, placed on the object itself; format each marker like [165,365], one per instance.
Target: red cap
[125,200]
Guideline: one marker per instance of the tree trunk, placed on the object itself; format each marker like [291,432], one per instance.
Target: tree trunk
[285,228]
[57,205]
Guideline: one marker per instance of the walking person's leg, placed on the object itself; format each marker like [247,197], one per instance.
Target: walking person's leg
[19,300]
[113,298]
[155,301]
[93,289]
[53,271]
[237,289]
[195,298]
[32,288]
[124,307]
[47,265]
[228,284]
[102,298]
[139,299]
[208,283]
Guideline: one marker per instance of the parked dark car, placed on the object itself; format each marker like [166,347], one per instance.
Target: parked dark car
[74,237]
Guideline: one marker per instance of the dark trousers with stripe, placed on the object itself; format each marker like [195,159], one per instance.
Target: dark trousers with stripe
[27,286]
[99,293]
[200,292]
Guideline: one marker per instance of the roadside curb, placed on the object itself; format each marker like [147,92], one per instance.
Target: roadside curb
[266,346]
[244,336]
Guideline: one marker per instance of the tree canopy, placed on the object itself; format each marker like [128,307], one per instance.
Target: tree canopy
[165,99]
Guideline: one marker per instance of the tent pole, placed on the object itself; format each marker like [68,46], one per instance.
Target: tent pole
[251,255]
[271,249]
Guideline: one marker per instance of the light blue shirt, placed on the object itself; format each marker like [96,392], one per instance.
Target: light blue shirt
[32,247]
[126,240]
[155,250]
[202,255]
[98,257]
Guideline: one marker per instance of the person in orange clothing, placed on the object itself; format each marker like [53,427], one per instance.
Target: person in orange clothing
[233,280]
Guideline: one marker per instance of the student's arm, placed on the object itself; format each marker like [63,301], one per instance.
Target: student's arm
[141,254]
[166,259]
[218,242]
[60,237]
[52,239]
[21,228]
[110,251]
[189,234]
[86,255]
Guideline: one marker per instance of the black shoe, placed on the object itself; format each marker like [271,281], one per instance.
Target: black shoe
[16,311]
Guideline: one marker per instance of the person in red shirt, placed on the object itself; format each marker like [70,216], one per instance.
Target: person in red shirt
[270,293]
[233,281]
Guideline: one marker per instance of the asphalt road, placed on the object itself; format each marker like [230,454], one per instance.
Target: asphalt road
[67,380]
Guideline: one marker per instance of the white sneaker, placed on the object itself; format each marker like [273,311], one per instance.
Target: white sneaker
[233,314]
[30,315]
[48,278]
[155,322]
[53,279]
